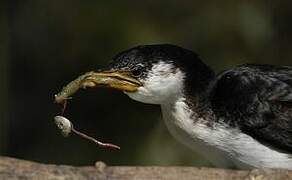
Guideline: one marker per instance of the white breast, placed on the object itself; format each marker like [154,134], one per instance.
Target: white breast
[222,146]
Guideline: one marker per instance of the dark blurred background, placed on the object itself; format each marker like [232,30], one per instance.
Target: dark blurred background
[45,44]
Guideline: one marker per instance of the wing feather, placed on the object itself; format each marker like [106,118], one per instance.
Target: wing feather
[258,100]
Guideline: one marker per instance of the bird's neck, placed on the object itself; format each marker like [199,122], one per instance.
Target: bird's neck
[185,107]
[194,90]
[188,113]
[197,89]
[191,103]
[197,84]
[187,124]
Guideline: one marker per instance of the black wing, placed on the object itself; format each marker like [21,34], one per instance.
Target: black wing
[258,100]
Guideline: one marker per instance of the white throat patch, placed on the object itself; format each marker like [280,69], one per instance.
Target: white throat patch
[163,83]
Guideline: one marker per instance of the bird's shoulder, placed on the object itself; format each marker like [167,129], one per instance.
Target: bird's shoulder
[257,99]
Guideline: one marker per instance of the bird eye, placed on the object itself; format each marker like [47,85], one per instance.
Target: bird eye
[137,72]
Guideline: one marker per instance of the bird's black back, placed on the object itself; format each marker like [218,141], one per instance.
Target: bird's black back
[257,99]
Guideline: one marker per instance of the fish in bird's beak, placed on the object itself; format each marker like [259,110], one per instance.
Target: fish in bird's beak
[120,80]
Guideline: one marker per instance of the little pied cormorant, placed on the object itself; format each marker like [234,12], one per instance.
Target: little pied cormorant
[240,118]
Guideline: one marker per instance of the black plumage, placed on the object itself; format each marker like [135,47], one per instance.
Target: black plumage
[256,99]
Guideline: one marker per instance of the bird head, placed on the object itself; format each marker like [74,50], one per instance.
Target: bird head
[156,74]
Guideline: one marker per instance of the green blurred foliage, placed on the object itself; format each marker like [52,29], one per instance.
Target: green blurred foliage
[45,44]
